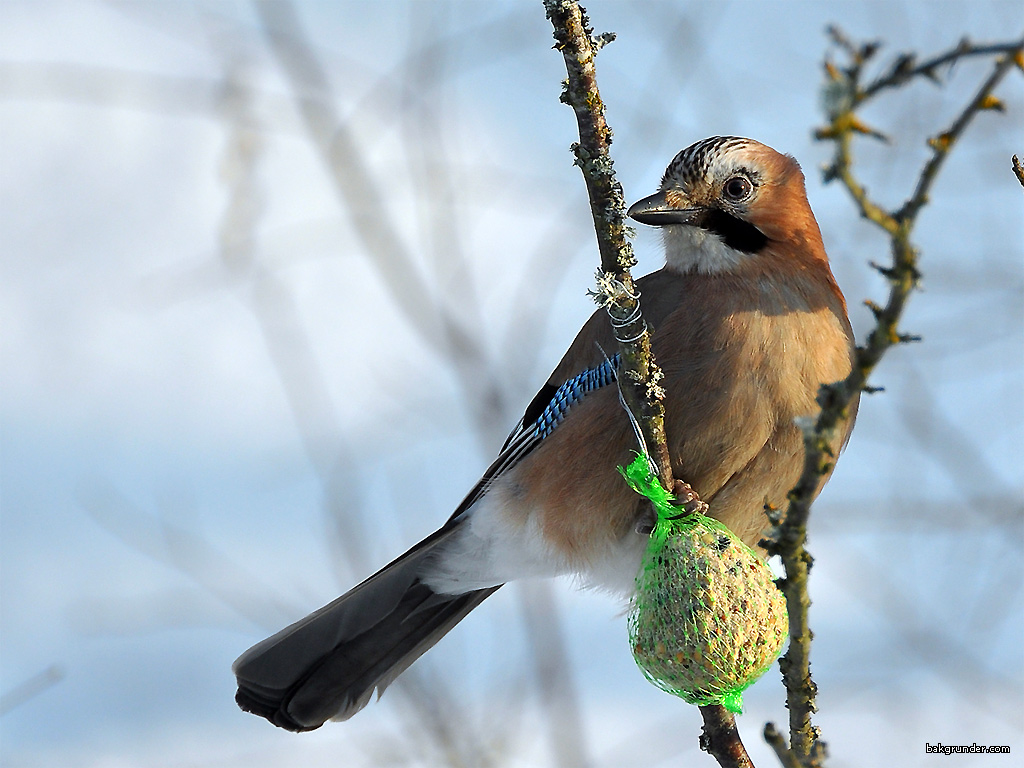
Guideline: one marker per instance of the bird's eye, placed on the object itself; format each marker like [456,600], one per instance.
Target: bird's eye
[738,188]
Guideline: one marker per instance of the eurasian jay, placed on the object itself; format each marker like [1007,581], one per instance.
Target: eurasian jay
[747,322]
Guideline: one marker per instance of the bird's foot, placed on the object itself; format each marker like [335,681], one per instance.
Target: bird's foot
[685,498]
[688,499]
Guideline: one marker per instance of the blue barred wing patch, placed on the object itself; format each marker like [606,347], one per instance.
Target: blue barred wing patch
[571,392]
[526,437]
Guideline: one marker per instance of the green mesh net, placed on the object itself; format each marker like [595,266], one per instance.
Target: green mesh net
[706,620]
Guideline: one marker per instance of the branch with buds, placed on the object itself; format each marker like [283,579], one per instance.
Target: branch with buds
[846,93]
[639,381]
[1018,169]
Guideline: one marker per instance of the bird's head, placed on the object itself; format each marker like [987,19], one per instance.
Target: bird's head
[724,201]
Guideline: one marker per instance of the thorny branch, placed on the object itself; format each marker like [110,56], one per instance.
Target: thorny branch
[789,535]
[616,291]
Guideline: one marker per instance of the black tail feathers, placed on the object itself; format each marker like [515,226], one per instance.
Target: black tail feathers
[328,664]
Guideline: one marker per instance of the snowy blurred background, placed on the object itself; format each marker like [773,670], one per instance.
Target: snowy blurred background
[275,280]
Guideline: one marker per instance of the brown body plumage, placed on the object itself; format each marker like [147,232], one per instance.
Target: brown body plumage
[746,355]
[747,323]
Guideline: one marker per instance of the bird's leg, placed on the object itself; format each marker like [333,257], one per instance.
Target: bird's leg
[645,519]
[685,498]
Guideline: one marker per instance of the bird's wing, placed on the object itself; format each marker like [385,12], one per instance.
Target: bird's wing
[543,415]
[586,366]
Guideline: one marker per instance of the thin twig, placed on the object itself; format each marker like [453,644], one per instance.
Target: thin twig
[904,70]
[943,143]
[778,743]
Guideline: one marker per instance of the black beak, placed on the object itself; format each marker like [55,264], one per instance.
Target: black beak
[656,211]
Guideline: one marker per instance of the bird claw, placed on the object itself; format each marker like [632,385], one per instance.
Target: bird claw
[684,497]
[688,499]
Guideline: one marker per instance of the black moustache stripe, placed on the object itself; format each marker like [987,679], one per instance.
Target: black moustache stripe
[737,234]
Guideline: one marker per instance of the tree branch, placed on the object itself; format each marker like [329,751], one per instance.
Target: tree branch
[616,289]
[790,533]
[639,381]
